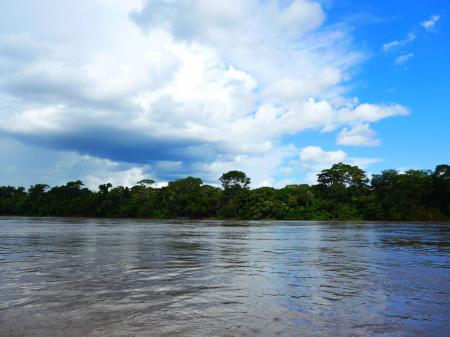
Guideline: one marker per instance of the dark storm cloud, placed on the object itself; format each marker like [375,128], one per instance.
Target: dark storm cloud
[123,145]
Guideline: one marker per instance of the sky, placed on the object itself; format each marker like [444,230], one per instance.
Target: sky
[121,90]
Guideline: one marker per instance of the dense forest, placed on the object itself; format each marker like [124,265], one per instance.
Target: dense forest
[342,192]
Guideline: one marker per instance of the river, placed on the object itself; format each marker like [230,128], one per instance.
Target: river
[111,278]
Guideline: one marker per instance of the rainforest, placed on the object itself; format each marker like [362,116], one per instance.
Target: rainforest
[342,192]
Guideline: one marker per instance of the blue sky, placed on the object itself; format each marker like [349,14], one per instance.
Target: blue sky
[120,90]
[422,139]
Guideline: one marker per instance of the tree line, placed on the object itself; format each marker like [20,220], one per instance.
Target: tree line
[342,192]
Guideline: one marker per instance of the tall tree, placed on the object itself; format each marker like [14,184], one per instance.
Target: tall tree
[235,196]
[234,179]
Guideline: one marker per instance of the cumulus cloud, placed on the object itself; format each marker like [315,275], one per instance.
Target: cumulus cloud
[216,22]
[358,135]
[371,113]
[313,159]
[180,87]
[430,23]
[315,156]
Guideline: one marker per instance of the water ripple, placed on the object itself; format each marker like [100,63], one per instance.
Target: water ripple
[69,277]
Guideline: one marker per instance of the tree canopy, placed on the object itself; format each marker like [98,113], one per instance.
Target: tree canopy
[342,192]
[234,179]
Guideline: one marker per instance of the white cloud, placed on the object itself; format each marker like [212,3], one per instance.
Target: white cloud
[358,135]
[402,59]
[398,45]
[314,159]
[300,16]
[372,113]
[127,177]
[430,23]
[291,89]
[315,155]
[182,87]
[230,21]
[46,119]
[389,46]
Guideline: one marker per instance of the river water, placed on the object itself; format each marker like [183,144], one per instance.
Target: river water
[90,277]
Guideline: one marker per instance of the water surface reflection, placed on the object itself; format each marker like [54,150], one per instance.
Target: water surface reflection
[80,277]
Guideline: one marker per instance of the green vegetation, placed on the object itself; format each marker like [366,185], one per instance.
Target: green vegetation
[343,192]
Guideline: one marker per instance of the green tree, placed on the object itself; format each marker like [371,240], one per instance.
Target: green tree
[343,175]
[183,197]
[146,182]
[104,188]
[342,193]
[236,193]
[341,187]
[440,190]
[234,180]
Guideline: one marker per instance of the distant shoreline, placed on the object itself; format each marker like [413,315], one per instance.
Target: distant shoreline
[431,222]
[342,193]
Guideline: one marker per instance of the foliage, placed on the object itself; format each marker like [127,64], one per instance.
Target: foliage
[343,192]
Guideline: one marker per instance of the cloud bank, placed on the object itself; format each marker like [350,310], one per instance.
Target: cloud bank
[170,88]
